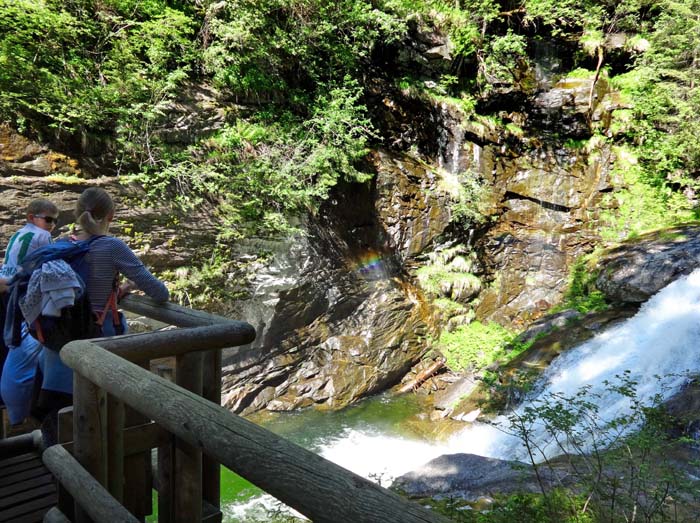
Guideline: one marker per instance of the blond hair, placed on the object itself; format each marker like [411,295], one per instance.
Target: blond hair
[42,206]
[93,210]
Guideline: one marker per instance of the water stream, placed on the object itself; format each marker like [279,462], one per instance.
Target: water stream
[376,438]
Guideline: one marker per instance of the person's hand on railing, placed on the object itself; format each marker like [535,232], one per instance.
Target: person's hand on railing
[126,288]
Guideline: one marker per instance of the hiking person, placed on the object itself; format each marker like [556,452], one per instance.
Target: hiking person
[42,216]
[108,257]
[18,371]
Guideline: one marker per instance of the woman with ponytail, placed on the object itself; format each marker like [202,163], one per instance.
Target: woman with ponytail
[108,259]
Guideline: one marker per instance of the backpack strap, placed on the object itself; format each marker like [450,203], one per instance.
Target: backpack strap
[39,332]
[111,305]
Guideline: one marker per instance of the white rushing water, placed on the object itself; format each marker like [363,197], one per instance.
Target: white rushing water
[658,346]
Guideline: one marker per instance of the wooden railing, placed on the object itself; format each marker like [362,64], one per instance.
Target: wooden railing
[121,411]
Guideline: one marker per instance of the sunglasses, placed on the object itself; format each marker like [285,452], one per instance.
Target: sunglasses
[47,219]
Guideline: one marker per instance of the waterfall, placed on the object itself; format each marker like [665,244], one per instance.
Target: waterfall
[658,346]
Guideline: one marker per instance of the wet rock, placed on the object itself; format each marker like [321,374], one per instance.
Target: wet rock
[412,210]
[348,323]
[549,323]
[638,269]
[565,108]
[545,196]
[198,111]
[470,477]
[684,407]
[425,50]
[446,399]
[20,156]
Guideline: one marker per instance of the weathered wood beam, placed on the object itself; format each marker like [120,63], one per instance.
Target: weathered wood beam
[161,344]
[211,390]
[170,312]
[187,458]
[316,487]
[54,515]
[18,444]
[90,435]
[92,497]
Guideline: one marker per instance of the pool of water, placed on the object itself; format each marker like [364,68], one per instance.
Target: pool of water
[378,438]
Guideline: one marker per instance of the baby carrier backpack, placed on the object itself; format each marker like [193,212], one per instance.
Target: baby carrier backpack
[69,316]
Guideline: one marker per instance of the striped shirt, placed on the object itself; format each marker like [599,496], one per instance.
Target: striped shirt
[109,257]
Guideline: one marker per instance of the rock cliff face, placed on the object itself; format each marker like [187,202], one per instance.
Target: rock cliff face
[546,193]
[338,310]
[350,323]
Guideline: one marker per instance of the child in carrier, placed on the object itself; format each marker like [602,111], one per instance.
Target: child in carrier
[108,258]
[19,368]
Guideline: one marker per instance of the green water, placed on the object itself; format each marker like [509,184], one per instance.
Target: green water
[384,415]
[313,429]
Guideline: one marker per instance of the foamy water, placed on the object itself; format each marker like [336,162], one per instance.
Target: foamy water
[659,345]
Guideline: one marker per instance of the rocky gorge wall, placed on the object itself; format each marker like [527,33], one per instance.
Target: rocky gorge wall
[340,309]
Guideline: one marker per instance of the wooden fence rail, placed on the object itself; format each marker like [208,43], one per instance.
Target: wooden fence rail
[122,411]
[316,487]
[76,480]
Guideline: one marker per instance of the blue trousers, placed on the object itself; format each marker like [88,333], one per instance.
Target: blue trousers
[17,382]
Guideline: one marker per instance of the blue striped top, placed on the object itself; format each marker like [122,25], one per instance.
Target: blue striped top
[110,256]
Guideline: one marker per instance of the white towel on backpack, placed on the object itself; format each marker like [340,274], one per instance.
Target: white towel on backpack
[51,287]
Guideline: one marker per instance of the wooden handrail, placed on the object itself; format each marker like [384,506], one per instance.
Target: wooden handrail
[97,502]
[316,487]
[171,313]
[55,516]
[18,444]
[162,344]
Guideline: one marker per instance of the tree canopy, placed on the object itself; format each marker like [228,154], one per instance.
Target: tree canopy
[303,70]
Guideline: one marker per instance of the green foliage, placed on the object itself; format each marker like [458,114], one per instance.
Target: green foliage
[620,465]
[475,346]
[664,90]
[212,285]
[437,280]
[255,174]
[447,274]
[96,66]
[645,203]
[559,506]
[503,57]
[260,49]
[581,293]
[449,308]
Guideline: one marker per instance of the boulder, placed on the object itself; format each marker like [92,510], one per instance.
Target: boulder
[638,269]
[471,477]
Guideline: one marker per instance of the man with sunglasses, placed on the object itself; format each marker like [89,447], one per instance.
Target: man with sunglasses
[18,364]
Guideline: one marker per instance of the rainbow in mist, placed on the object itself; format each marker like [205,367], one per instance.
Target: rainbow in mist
[369,263]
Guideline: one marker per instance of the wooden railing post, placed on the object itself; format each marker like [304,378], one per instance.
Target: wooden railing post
[115,447]
[166,488]
[187,466]
[66,503]
[211,390]
[89,432]
[137,469]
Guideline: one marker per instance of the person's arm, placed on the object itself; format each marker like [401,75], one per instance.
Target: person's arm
[128,264]
[3,285]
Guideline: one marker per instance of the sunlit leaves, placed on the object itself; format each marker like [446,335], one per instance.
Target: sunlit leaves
[86,65]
